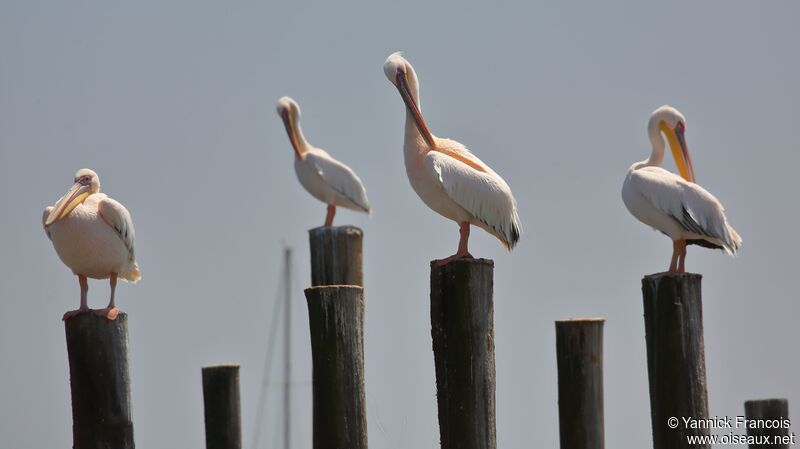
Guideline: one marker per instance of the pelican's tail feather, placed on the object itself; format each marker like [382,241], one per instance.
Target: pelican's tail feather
[735,242]
[133,275]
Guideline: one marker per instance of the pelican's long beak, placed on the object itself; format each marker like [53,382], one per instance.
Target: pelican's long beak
[408,99]
[69,201]
[288,122]
[680,152]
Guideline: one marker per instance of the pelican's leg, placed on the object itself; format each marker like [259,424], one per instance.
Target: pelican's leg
[329,217]
[463,252]
[682,256]
[111,311]
[84,294]
[673,264]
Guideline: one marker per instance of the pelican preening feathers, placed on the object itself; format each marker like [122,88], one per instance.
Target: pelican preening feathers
[446,176]
[325,178]
[672,204]
[93,235]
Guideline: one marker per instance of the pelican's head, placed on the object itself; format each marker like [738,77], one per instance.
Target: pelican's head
[289,111]
[86,183]
[400,73]
[671,122]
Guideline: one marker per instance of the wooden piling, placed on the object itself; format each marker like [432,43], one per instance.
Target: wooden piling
[462,328]
[775,411]
[579,354]
[97,349]
[673,322]
[336,319]
[336,255]
[222,408]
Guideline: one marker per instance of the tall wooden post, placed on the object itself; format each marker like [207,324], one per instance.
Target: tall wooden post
[673,322]
[579,353]
[336,318]
[462,327]
[775,411]
[336,256]
[222,409]
[101,395]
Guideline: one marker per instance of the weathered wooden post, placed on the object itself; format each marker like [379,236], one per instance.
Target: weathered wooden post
[336,318]
[336,255]
[673,323]
[101,394]
[775,411]
[579,353]
[462,327]
[222,409]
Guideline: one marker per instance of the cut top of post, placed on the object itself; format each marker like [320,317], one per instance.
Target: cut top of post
[655,277]
[582,320]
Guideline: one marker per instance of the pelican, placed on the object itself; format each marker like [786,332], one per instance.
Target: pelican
[325,178]
[672,204]
[93,235]
[449,178]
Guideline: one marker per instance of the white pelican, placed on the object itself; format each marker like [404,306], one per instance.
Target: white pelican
[325,178]
[674,204]
[93,236]
[447,177]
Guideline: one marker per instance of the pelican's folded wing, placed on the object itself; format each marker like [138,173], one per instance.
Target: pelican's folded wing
[690,205]
[342,179]
[118,218]
[484,194]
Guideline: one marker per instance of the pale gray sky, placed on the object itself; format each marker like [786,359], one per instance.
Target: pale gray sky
[172,103]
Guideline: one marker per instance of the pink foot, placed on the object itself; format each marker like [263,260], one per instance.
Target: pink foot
[457,256]
[109,313]
[73,313]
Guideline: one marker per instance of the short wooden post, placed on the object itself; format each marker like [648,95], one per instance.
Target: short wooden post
[673,323]
[222,409]
[579,353]
[336,256]
[336,318]
[775,411]
[97,349]
[462,327]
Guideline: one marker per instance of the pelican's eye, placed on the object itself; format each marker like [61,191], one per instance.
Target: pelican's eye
[680,127]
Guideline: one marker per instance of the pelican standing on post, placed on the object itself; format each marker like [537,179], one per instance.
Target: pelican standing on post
[325,178]
[449,178]
[93,235]
[674,204]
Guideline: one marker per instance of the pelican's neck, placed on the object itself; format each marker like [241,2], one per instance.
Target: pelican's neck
[302,143]
[414,142]
[657,142]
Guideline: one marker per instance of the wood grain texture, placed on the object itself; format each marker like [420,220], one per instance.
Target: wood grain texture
[579,356]
[462,328]
[222,407]
[336,319]
[772,410]
[673,322]
[336,256]
[100,382]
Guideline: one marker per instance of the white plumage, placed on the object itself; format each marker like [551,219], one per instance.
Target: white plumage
[675,205]
[325,178]
[330,181]
[93,235]
[449,178]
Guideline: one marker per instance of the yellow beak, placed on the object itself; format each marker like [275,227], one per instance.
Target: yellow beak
[677,143]
[75,196]
[408,98]
[288,122]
